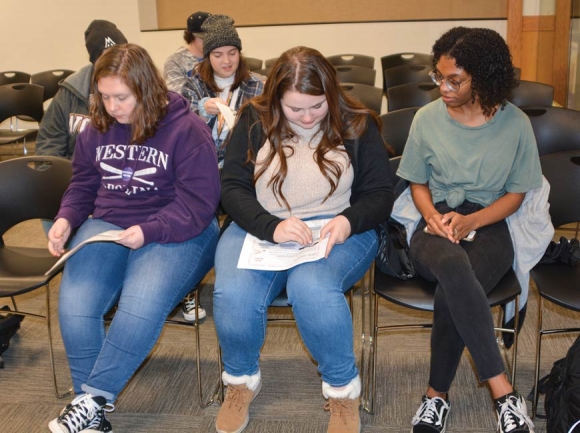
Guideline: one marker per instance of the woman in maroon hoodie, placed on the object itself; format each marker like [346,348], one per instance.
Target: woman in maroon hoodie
[147,167]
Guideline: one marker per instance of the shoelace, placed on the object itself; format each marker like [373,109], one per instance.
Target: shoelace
[82,409]
[235,396]
[189,304]
[428,413]
[96,421]
[511,415]
[338,407]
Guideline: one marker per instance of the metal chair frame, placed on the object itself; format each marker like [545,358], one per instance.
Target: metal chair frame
[564,209]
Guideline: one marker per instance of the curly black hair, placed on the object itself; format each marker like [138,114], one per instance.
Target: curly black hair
[484,55]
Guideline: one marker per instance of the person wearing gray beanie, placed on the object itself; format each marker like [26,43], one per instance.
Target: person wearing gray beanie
[219,31]
[222,77]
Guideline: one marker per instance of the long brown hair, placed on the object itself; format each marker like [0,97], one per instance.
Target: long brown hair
[206,74]
[133,65]
[305,70]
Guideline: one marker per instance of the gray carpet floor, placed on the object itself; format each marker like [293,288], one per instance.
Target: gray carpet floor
[162,397]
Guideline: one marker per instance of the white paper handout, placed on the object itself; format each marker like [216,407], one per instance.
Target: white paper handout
[266,256]
[107,236]
[228,114]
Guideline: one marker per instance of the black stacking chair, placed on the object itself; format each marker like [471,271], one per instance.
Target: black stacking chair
[395,128]
[556,129]
[406,74]
[411,95]
[370,96]
[30,188]
[13,77]
[254,64]
[356,74]
[49,81]
[400,59]
[558,283]
[532,93]
[352,60]
[417,294]
[20,99]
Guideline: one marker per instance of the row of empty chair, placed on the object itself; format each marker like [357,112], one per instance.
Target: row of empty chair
[22,96]
[47,79]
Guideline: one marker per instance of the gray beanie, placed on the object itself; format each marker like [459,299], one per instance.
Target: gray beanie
[219,31]
[101,34]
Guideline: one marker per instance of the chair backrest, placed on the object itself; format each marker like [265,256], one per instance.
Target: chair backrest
[532,93]
[395,128]
[400,59]
[411,95]
[517,73]
[356,74]
[370,96]
[406,74]
[253,63]
[49,81]
[264,71]
[21,99]
[268,63]
[562,170]
[12,77]
[352,60]
[556,129]
[31,187]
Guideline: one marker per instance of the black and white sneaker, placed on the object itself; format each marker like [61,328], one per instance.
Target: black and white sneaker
[84,414]
[188,309]
[512,414]
[431,417]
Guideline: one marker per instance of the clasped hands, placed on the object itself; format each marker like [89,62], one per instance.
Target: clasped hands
[294,229]
[451,225]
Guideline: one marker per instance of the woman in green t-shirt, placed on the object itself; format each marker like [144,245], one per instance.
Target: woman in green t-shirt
[470,157]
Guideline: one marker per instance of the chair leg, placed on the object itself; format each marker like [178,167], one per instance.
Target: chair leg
[50,348]
[215,394]
[369,346]
[515,345]
[538,355]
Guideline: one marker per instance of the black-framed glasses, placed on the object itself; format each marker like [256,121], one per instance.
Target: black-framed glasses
[451,84]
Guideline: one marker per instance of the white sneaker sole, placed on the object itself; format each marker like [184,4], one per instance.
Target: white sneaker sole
[190,317]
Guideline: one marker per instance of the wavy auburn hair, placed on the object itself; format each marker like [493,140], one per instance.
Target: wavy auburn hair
[307,71]
[133,65]
[484,55]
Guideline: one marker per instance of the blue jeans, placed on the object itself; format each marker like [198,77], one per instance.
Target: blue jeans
[465,273]
[146,284]
[315,292]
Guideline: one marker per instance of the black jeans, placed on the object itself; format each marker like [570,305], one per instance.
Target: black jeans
[465,273]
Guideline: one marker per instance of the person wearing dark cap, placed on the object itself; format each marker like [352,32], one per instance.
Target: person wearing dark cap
[222,77]
[180,64]
[68,113]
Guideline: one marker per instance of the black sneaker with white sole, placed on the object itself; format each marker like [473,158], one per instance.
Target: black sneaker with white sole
[512,414]
[431,417]
[84,414]
[188,309]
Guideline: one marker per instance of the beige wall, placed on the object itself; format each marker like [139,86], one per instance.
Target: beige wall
[51,34]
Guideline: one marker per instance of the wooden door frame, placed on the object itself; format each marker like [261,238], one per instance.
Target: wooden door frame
[561,50]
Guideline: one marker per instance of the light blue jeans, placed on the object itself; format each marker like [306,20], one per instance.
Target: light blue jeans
[315,291]
[146,284]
